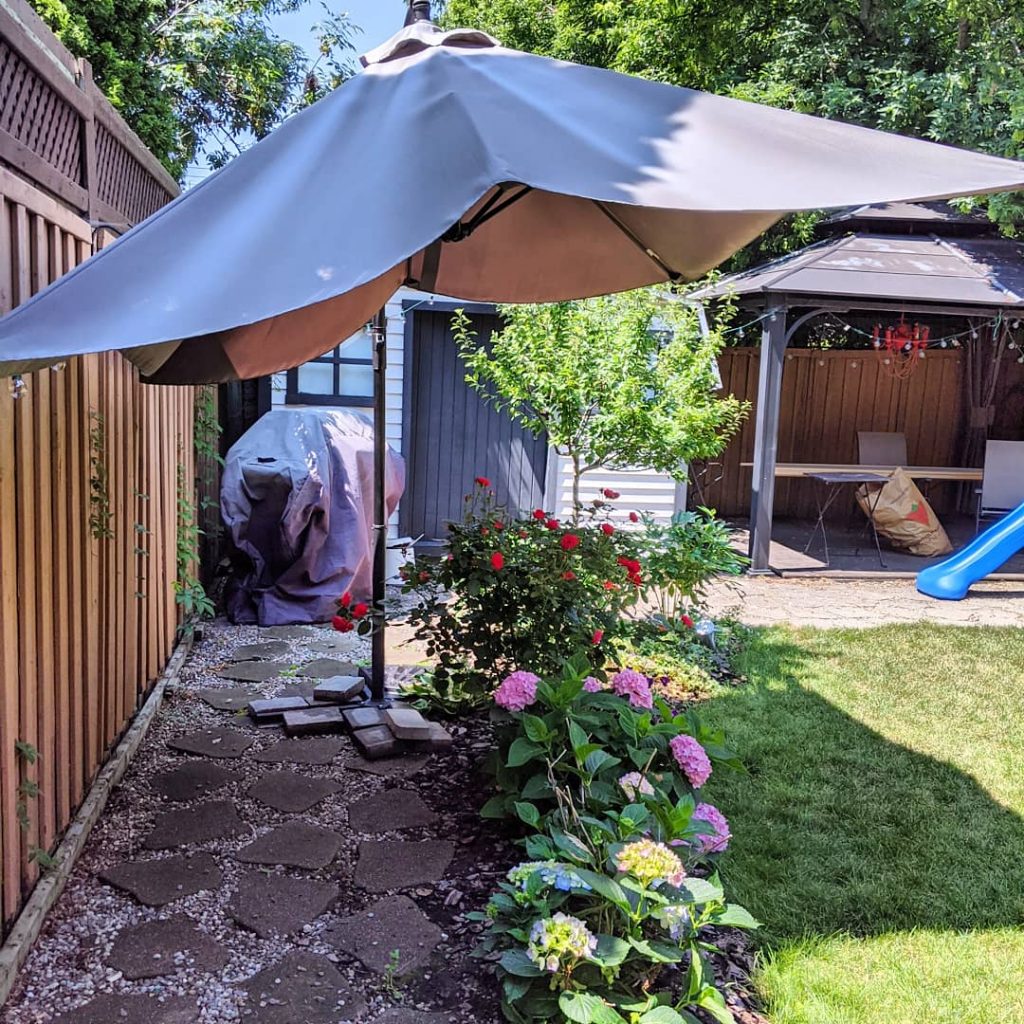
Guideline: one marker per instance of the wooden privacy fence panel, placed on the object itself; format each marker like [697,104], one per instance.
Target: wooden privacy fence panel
[827,396]
[89,471]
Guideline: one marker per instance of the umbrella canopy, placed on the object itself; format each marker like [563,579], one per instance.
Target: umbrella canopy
[456,165]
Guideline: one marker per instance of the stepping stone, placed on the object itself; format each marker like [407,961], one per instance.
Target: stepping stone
[325,668]
[389,811]
[295,845]
[320,750]
[272,709]
[375,742]
[216,819]
[390,768]
[137,1009]
[339,689]
[278,905]
[213,743]
[160,947]
[290,792]
[407,723]
[363,718]
[303,988]
[405,1015]
[260,652]
[191,780]
[328,642]
[395,864]
[226,698]
[393,923]
[157,882]
[252,671]
[286,632]
[313,721]
[440,738]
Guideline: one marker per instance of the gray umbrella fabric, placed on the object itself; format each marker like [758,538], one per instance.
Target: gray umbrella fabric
[458,166]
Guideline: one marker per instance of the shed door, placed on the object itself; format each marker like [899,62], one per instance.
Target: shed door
[454,437]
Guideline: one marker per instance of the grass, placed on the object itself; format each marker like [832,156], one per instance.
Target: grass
[880,830]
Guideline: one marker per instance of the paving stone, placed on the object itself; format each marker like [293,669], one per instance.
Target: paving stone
[213,743]
[191,780]
[297,845]
[216,819]
[407,723]
[375,742]
[401,767]
[393,923]
[319,750]
[395,864]
[159,947]
[363,718]
[389,811]
[135,1009]
[277,904]
[260,652]
[157,882]
[303,988]
[226,698]
[296,632]
[407,1015]
[325,668]
[290,792]
[272,709]
[327,641]
[252,671]
[339,689]
[313,721]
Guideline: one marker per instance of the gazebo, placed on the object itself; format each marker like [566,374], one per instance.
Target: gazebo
[926,261]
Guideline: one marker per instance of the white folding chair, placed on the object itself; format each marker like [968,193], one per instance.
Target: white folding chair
[879,448]
[1002,485]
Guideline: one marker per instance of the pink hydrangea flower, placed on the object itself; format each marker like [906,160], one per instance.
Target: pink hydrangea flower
[634,685]
[717,841]
[691,758]
[592,685]
[517,691]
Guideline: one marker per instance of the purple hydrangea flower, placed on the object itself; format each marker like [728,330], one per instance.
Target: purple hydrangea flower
[634,685]
[517,691]
[592,685]
[718,840]
[691,758]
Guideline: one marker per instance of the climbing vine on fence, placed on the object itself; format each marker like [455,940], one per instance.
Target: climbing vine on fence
[100,514]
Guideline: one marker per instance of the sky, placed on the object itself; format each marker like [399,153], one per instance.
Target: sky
[377,20]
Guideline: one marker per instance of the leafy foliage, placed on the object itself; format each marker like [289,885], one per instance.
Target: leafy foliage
[193,76]
[947,70]
[622,380]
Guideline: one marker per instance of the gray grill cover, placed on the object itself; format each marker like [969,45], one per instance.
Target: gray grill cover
[297,499]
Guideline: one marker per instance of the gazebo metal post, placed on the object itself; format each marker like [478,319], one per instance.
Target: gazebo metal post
[766,433]
[379,332]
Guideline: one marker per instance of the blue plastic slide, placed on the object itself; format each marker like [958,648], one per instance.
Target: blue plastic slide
[951,579]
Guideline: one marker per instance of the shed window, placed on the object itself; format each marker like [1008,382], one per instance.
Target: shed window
[343,376]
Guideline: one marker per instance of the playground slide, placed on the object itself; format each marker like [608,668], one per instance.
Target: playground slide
[951,579]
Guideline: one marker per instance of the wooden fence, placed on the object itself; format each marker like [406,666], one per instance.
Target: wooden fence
[827,396]
[90,466]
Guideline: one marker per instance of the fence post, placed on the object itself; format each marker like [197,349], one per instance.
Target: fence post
[88,137]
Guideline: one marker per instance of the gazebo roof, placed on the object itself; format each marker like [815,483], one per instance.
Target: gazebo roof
[908,219]
[866,267]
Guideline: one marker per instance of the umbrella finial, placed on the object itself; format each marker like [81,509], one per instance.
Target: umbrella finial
[419,10]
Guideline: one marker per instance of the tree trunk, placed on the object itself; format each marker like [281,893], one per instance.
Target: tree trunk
[575,487]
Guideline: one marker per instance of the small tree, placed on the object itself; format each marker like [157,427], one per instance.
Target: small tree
[618,381]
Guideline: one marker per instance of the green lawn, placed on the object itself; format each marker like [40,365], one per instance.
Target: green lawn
[879,832]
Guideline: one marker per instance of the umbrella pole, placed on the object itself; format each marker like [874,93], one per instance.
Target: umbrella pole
[378,328]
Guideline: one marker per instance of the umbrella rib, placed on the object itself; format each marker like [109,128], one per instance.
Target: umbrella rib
[672,275]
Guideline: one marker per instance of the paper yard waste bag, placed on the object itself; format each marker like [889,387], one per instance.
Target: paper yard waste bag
[903,517]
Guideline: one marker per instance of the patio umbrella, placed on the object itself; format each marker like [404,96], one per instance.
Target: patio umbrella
[455,165]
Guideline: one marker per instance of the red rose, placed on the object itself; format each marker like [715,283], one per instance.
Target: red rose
[359,610]
[686,621]
[609,493]
[539,513]
[569,541]
[568,575]
[499,525]
[597,637]
[633,517]
[484,531]
[523,535]
[497,561]
[424,576]
[629,564]
[607,529]
[342,625]
[608,585]
[346,600]
[482,481]
[552,524]
[636,579]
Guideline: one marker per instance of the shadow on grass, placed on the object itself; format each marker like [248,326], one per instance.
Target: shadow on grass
[838,828]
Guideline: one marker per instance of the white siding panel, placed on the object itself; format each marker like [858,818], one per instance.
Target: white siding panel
[640,490]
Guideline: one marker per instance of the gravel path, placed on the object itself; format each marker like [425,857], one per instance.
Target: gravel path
[267,905]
